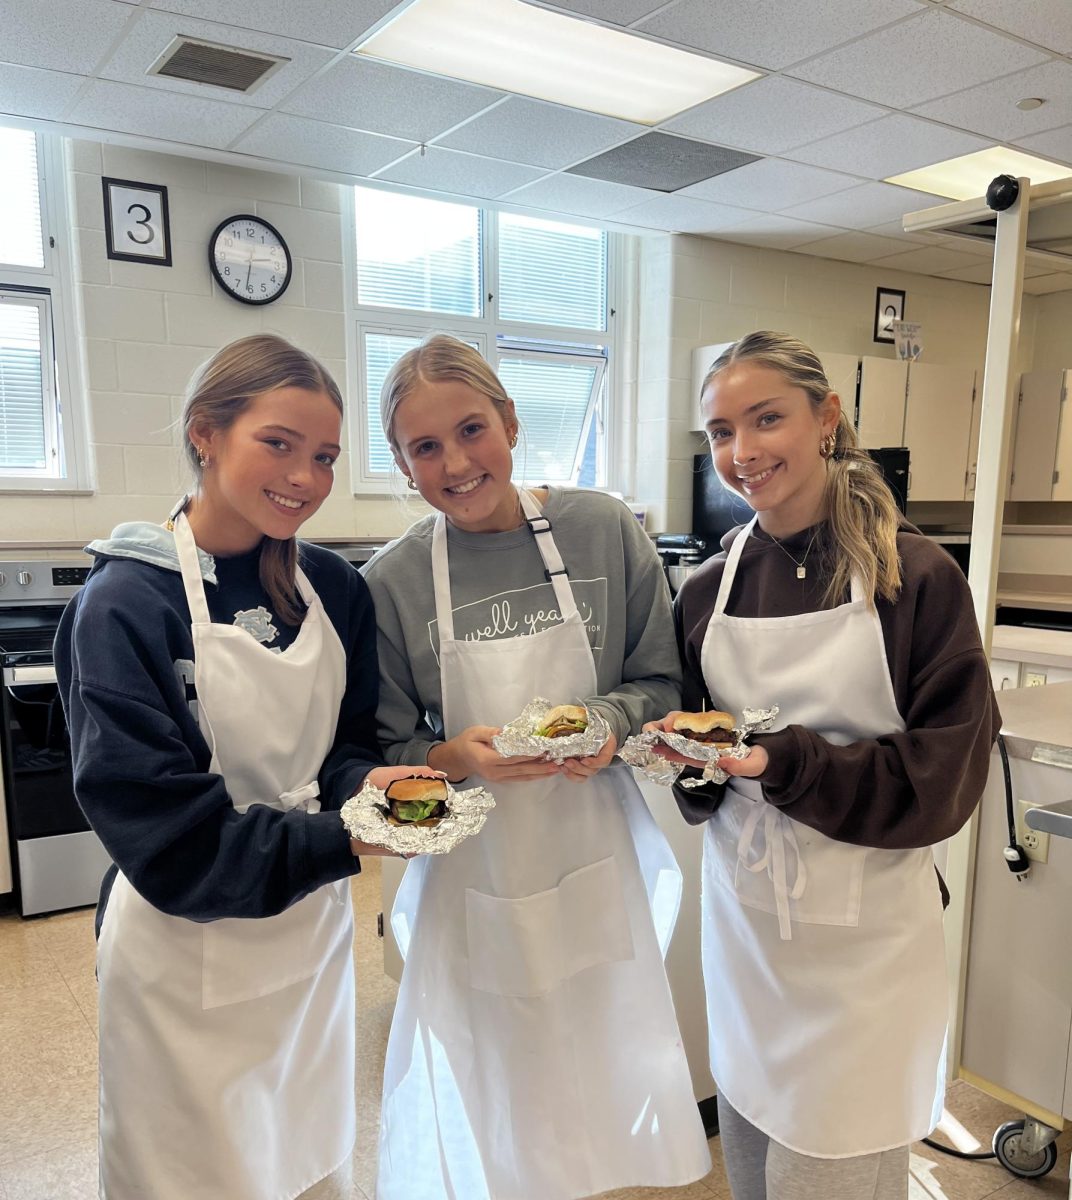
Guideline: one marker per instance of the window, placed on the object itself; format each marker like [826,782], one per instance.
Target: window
[530,294]
[41,434]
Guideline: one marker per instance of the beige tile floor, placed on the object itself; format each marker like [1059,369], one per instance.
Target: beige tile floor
[48,1052]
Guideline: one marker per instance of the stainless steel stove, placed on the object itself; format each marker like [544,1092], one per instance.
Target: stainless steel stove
[56,861]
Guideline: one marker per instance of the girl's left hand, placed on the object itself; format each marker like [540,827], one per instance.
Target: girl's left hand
[750,767]
[577,770]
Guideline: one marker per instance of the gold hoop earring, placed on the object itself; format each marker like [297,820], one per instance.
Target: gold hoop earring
[513,442]
[410,483]
[828,445]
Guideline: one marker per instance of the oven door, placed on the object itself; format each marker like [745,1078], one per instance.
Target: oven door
[57,861]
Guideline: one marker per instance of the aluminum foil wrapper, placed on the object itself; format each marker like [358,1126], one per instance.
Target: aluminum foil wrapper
[365,816]
[638,750]
[518,738]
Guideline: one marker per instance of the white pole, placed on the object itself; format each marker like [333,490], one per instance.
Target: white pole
[995,429]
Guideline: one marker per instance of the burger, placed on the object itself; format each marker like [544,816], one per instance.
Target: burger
[563,721]
[416,801]
[708,728]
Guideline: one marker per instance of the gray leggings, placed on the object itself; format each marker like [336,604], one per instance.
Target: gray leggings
[760,1168]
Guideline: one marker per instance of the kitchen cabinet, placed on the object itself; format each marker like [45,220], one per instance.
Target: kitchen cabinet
[926,407]
[1042,438]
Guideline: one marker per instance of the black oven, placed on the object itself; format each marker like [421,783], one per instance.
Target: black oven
[56,861]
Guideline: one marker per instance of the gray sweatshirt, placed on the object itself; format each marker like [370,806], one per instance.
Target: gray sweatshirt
[499,590]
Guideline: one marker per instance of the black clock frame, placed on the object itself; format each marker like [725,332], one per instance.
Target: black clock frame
[216,275]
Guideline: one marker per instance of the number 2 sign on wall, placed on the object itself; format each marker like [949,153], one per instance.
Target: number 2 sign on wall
[136,221]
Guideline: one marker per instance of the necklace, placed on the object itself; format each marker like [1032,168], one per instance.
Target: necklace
[802,570]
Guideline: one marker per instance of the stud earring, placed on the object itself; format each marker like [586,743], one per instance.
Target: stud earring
[410,483]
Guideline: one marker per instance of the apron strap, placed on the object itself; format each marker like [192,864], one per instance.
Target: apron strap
[778,835]
[191,570]
[554,568]
[729,572]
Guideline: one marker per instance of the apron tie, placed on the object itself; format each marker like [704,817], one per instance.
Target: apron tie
[777,835]
[304,797]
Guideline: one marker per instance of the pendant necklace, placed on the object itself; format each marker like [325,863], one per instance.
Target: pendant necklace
[802,570]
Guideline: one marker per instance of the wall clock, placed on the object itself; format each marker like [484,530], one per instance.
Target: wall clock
[250,259]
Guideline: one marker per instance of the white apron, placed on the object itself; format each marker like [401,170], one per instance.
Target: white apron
[227,1047]
[535,1053]
[824,962]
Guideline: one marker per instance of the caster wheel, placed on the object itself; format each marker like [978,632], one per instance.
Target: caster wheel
[1013,1159]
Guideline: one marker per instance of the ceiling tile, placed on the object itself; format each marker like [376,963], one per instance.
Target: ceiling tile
[927,260]
[361,94]
[543,135]
[460,174]
[662,162]
[774,231]
[614,12]
[772,33]
[753,117]
[1046,22]
[770,184]
[72,36]
[864,206]
[928,56]
[854,247]
[334,23]
[983,272]
[33,93]
[679,214]
[152,35]
[888,146]
[580,196]
[154,113]
[316,144]
[991,108]
[1056,144]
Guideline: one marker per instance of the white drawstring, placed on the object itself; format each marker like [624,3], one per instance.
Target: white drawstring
[304,797]
[777,834]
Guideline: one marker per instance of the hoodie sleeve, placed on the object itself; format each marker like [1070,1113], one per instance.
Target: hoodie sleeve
[141,768]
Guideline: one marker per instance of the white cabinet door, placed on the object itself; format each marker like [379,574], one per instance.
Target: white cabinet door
[938,419]
[841,372]
[1038,417]
[1062,484]
[1004,673]
[883,388]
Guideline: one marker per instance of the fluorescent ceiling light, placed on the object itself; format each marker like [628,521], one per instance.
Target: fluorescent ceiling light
[969,176]
[519,48]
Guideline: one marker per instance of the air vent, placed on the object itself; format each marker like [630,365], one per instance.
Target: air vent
[662,162]
[218,66]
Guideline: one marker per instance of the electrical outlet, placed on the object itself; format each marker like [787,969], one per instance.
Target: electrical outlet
[1034,678]
[1036,844]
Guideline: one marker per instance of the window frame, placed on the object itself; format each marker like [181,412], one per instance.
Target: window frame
[54,282]
[494,334]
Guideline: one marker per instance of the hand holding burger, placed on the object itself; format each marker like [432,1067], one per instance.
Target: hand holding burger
[708,728]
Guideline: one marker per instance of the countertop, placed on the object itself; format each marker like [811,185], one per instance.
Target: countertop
[1037,725]
[1048,647]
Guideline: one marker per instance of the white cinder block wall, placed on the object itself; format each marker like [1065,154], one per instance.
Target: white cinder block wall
[147,327]
[695,292]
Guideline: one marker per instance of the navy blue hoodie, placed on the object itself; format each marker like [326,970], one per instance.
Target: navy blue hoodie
[124,658]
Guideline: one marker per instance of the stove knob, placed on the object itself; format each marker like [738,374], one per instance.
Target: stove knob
[3,579]
[25,578]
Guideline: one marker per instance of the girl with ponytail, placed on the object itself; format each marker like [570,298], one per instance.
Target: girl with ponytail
[220,683]
[822,921]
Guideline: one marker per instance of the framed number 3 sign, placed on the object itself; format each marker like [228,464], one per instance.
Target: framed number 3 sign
[136,221]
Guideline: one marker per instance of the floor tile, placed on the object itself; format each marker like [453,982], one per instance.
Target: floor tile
[65,1174]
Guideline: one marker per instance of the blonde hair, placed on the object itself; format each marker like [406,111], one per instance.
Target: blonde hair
[437,359]
[219,392]
[861,511]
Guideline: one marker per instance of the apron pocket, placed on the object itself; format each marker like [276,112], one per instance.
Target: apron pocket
[245,958]
[531,946]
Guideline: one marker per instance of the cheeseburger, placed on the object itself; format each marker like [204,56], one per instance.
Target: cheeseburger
[562,721]
[416,801]
[709,728]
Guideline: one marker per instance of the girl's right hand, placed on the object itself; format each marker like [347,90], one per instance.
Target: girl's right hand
[666,725]
[471,753]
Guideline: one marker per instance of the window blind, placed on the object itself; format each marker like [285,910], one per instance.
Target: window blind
[22,407]
[552,274]
[21,242]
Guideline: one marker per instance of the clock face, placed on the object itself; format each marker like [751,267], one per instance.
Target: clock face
[250,260]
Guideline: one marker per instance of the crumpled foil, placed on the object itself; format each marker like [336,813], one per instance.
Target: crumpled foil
[517,737]
[365,816]
[638,750]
